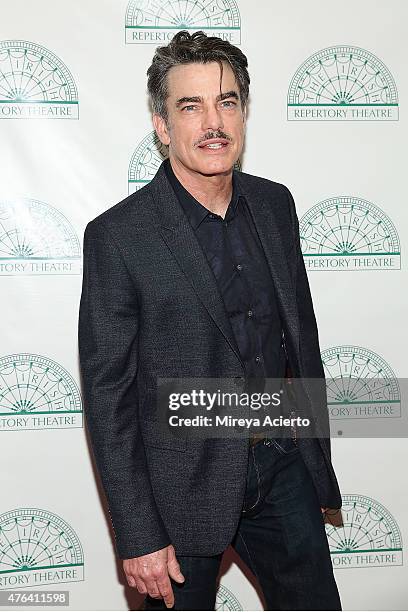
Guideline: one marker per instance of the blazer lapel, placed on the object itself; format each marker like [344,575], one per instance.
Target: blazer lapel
[180,238]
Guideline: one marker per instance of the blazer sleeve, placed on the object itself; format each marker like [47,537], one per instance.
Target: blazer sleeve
[108,351]
[309,335]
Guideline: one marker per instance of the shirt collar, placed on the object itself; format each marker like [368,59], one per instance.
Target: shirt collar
[194,210]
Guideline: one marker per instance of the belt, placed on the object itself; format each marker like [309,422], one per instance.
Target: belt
[287,412]
[257,437]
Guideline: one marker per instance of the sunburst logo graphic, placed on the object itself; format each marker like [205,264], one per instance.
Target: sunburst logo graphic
[38,547]
[155,21]
[35,83]
[348,233]
[360,384]
[343,83]
[146,160]
[36,239]
[369,535]
[37,393]
[226,600]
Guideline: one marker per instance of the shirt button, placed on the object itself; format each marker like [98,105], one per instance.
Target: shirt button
[239,266]
[250,313]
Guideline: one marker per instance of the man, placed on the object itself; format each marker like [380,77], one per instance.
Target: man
[200,274]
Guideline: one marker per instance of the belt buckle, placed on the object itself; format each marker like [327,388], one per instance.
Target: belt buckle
[256,438]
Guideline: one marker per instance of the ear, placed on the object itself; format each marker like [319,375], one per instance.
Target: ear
[161,128]
[244,114]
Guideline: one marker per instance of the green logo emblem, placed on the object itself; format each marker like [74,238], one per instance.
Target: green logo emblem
[343,83]
[146,160]
[360,384]
[348,233]
[369,536]
[36,239]
[156,21]
[226,600]
[37,548]
[37,393]
[35,83]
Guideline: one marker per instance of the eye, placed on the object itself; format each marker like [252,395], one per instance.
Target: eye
[189,107]
[228,103]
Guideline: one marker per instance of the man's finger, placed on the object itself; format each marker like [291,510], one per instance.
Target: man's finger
[166,591]
[141,587]
[131,580]
[153,589]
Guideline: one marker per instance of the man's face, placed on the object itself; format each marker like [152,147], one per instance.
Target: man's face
[205,128]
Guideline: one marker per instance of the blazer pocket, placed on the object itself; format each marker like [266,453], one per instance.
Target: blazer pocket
[159,435]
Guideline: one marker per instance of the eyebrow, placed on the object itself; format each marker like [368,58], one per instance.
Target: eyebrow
[185,99]
[227,94]
[199,99]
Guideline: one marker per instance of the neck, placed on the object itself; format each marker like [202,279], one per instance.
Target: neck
[212,191]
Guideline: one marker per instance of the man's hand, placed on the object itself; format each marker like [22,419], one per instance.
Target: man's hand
[151,573]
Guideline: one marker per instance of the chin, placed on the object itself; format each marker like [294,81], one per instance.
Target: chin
[214,166]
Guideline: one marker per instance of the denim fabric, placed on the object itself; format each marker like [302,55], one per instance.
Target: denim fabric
[280,536]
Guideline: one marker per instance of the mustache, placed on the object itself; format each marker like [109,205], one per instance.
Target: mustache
[210,135]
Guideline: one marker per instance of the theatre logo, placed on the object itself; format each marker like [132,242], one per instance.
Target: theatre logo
[347,233]
[35,83]
[226,600]
[157,21]
[37,393]
[343,83]
[146,160]
[36,239]
[360,384]
[369,536]
[38,548]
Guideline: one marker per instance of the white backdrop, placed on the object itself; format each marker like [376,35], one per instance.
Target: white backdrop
[74,129]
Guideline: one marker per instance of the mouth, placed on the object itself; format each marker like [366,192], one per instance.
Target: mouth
[215,144]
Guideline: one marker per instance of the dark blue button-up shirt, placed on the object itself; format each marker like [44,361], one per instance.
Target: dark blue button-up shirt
[236,257]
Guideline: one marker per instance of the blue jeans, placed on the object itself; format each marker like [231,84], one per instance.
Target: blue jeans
[280,536]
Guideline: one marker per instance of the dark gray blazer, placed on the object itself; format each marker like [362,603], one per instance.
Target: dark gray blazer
[150,307]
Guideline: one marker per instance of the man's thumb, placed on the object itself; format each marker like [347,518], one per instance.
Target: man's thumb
[174,567]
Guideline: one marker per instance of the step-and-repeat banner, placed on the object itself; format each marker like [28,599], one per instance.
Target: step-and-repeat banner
[328,118]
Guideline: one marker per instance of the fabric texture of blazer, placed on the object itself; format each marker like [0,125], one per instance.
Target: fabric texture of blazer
[150,307]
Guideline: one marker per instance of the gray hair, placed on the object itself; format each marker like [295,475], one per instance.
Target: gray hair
[186,48]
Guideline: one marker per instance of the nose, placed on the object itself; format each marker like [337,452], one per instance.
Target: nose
[212,119]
